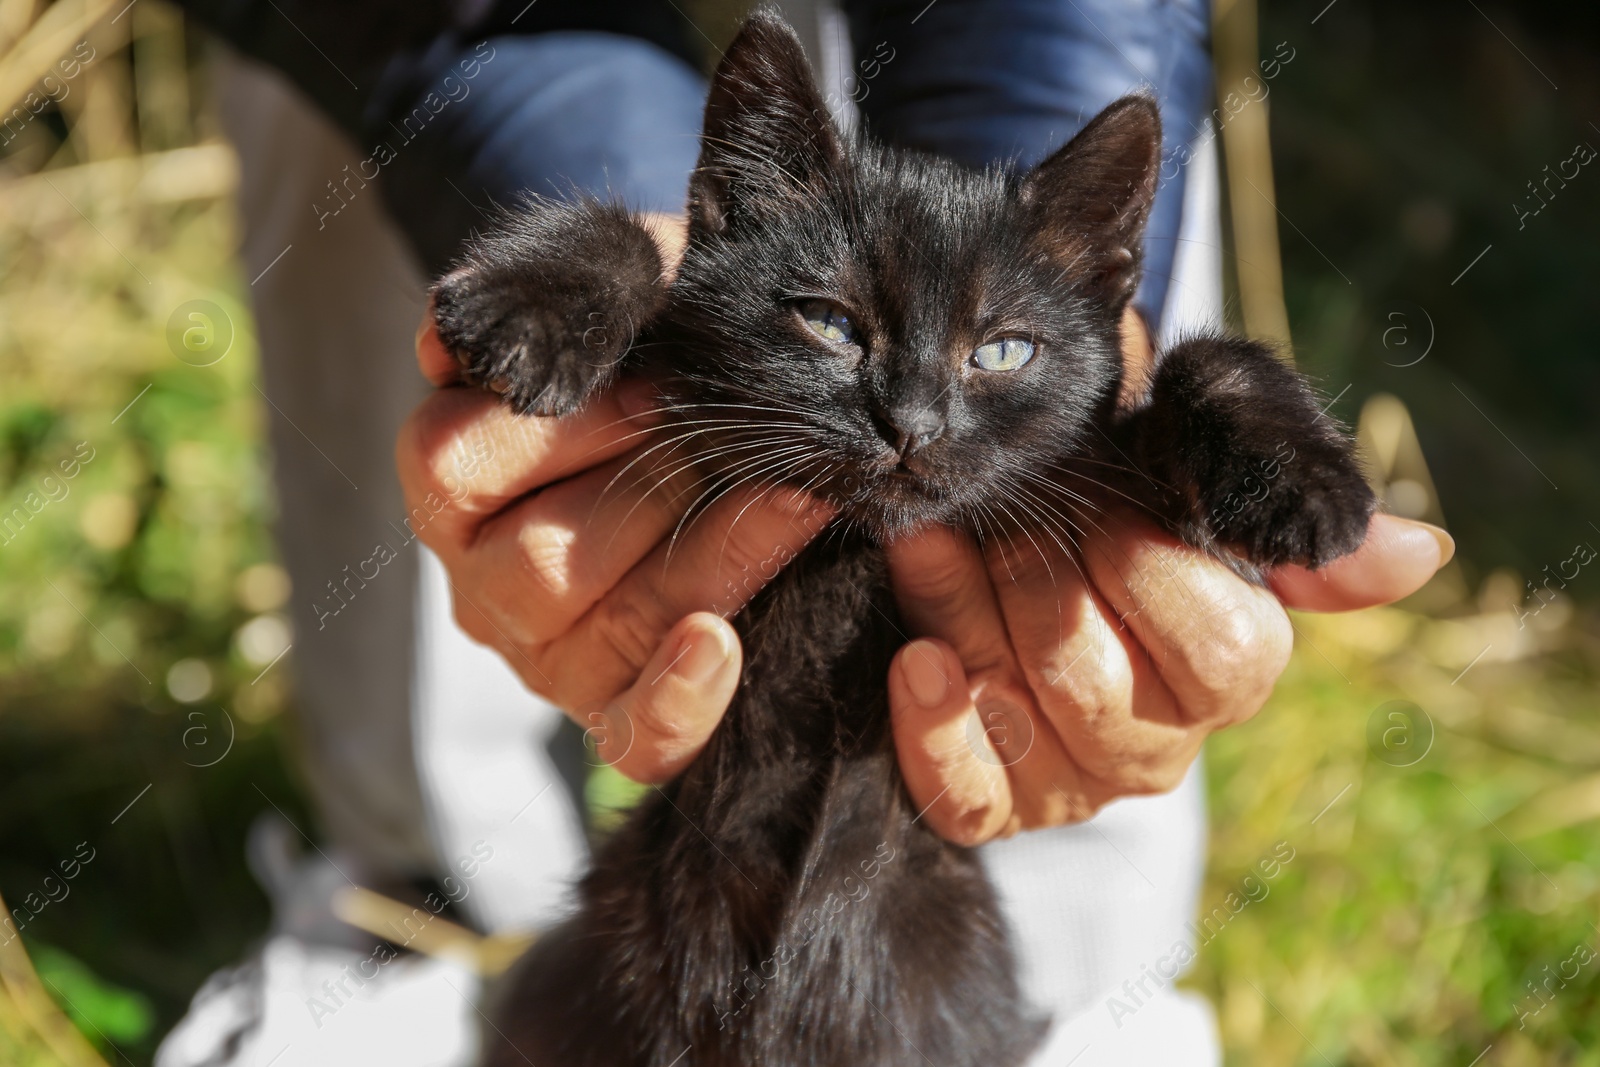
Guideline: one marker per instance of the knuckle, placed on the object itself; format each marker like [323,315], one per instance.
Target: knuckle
[1148,779]
[441,446]
[1077,805]
[971,827]
[745,559]
[1226,652]
[1023,562]
[472,621]
[429,434]
[1237,663]
[628,627]
[1086,685]
[1277,645]
[545,560]
[658,719]
[940,581]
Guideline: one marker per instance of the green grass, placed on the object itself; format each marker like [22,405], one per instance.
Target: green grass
[1422,897]
[155,553]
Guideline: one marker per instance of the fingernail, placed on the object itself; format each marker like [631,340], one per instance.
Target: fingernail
[702,655]
[925,673]
[1447,544]
[637,397]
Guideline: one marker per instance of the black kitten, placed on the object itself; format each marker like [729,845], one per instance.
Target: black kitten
[918,343]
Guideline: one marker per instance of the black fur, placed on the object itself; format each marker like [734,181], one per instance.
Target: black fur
[780,904]
[508,316]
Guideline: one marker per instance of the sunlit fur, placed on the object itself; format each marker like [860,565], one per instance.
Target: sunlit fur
[733,919]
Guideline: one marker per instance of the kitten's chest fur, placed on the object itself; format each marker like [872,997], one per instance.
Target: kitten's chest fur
[780,902]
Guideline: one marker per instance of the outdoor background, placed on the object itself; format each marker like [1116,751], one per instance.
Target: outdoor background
[1434,768]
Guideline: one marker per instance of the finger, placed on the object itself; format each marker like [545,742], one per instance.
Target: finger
[547,560]
[1113,714]
[937,735]
[438,365]
[942,586]
[1218,642]
[463,456]
[722,559]
[1397,558]
[655,728]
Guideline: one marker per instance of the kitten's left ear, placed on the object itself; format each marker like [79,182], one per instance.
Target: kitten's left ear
[769,138]
[1091,199]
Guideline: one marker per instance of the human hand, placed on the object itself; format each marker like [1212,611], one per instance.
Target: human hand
[566,577]
[557,553]
[1028,704]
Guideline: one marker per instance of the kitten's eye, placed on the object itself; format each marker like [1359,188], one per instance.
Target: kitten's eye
[1008,353]
[828,321]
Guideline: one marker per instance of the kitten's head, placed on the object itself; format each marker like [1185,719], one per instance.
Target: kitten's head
[909,338]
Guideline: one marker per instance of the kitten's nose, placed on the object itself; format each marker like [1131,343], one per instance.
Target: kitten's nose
[910,429]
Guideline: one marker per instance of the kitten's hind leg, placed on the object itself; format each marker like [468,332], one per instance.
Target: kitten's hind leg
[543,309]
[1246,458]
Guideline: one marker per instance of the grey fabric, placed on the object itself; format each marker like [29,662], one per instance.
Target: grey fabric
[335,317]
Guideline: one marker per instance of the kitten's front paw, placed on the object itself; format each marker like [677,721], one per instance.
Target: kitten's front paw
[1248,457]
[1304,503]
[543,309]
[543,359]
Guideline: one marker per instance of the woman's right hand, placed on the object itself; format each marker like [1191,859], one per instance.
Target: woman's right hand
[562,558]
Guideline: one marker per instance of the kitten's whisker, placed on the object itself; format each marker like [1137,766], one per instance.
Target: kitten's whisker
[667,478]
[685,436]
[1072,501]
[752,503]
[1111,488]
[1038,507]
[1049,529]
[1071,533]
[1021,526]
[998,537]
[1132,467]
[697,511]
[1057,488]
[764,444]
[676,424]
[781,410]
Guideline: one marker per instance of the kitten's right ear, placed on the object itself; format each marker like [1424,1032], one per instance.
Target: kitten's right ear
[769,140]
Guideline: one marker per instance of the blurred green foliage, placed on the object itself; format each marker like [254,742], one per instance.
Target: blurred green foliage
[154,555]
[103,1012]
[1403,135]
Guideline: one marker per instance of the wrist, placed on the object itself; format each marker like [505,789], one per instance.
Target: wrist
[671,234]
[1138,358]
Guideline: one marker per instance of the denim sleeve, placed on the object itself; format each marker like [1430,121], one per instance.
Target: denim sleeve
[986,81]
[463,104]
[554,114]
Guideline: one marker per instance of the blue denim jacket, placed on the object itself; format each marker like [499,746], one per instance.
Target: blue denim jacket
[990,80]
[572,94]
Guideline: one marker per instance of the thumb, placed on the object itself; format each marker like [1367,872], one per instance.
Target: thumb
[438,365]
[1397,558]
[659,724]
